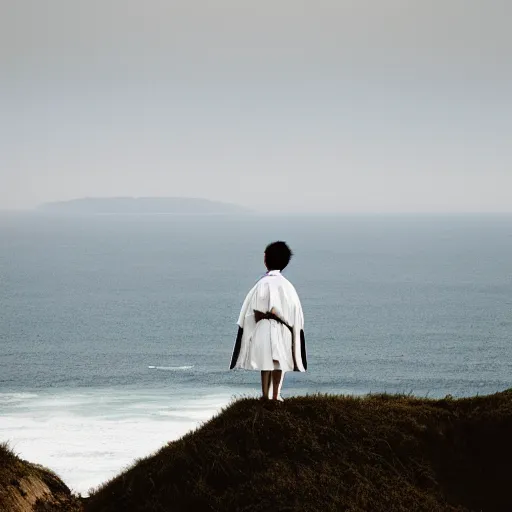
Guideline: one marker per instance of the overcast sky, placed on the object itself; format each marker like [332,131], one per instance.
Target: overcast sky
[282,105]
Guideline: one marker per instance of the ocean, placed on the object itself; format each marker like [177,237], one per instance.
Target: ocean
[116,332]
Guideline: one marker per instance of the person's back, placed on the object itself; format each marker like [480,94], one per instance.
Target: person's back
[271,325]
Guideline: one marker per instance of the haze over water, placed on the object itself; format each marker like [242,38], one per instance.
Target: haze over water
[116,331]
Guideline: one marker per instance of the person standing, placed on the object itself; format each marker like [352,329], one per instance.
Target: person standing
[271,326]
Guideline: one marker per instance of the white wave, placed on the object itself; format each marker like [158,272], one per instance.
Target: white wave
[9,398]
[89,436]
[171,368]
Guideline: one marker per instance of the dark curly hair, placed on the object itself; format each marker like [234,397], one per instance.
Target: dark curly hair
[277,255]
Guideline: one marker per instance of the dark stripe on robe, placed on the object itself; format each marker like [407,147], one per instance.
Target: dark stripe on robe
[236,350]
[303,349]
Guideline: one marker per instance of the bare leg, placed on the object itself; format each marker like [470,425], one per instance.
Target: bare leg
[276,382]
[265,383]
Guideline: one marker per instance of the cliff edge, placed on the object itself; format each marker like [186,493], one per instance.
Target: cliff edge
[27,487]
[330,453]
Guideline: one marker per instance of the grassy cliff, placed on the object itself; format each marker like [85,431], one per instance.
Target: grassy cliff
[330,453]
[28,487]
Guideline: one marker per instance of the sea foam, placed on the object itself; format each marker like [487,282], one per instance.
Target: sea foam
[171,368]
[87,437]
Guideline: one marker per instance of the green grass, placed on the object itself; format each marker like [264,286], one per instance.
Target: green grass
[330,453]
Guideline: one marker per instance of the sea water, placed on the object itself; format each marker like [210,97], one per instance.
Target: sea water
[116,332]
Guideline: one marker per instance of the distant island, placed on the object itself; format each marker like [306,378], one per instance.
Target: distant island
[142,206]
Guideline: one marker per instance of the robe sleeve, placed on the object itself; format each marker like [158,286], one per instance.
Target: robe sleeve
[246,326]
[245,307]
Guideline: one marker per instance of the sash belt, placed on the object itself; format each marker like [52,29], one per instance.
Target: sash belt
[258,316]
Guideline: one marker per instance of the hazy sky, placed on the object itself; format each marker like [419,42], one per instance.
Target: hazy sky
[282,105]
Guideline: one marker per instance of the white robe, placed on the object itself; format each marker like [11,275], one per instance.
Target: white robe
[268,344]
